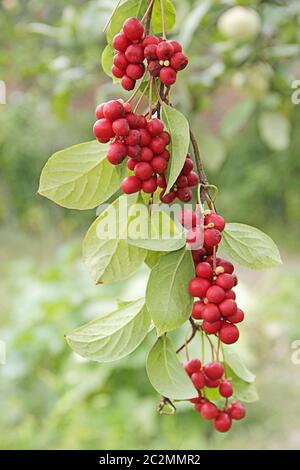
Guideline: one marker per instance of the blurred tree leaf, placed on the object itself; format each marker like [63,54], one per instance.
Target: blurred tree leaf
[233,359]
[213,151]
[237,118]
[191,22]
[275,130]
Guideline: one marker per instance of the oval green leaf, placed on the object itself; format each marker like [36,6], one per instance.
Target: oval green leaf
[275,130]
[250,247]
[167,297]
[178,127]
[243,390]
[127,9]
[234,361]
[79,177]
[170,16]
[107,61]
[165,372]
[113,335]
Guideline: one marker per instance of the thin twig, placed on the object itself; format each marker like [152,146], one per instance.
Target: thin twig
[150,96]
[160,101]
[195,328]
[163,402]
[148,16]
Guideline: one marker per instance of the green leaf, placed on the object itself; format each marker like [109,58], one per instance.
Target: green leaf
[107,61]
[167,297]
[126,10]
[212,394]
[170,16]
[191,22]
[275,130]
[243,390]
[113,335]
[79,177]
[250,247]
[237,118]
[153,257]
[165,372]
[106,252]
[178,127]
[236,364]
[213,151]
[156,232]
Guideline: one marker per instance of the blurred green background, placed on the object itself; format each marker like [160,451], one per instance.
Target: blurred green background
[237,95]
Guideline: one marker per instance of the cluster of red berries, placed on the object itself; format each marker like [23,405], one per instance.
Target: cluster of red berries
[131,135]
[212,375]
[165,58]
[214,280]
[182,187]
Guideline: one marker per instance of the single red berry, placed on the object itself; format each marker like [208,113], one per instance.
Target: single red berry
[165,50]
[145,137]
[214,370]
[155,127]
[204,270]
[134,54]
[225,389]
[127,107]
[209,410]
[133,29]
[211,328]
[159,165]
[182,181]
[135,71]
[167,76]
[134,151]
[212,236]
[229,333]
[192,366]
[198,380]
[113,110]
[120,61]
[237,317]
[99,111]
[215,294]
[154,68]
[216,219]
[179,61]
[103,130]
[116,153]
[212,383]
[167,198]
[230,294]
[198,287]
[131,184]
[237,411]
[127,83]
[185,194]
[166,137]
[222,422]
[118,73]
[157,145]
[193,179]
[146,154]
[120,127]
[228,267]
[133,137]
[228,307]
[187,167]
[133,121]
[165,155]
[150,52]
[120,42]
[150,185]
[149,39]
[198,255]
[131,162]
[161,181]
[226,281]
[198,308]
[211,313]
[143,171]
[141,121]
[176,46]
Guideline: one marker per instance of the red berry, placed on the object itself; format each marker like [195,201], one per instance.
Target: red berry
[166,137]
[225,389]
[155,127]
[216,219]
[167,76]
[154,68]
[215,294]
[116,153]
[133,29]
[131,162]
[228,307]
[161,181]
[141,121]
[118,73]
[214,370]
[192,366]
[146,154]
[127,107]
[159,164]
[131,184]
[204,270]
[211,328]
[103,130]
[135,71]
[133,138]
[127,83]
[187,167]
[237,410]
[185,194]
[198,287]
[230,294]
[113,110]
[198,380]
[120,61]
[99,111]
[120,42]
[176,46]
[198,308]
[237,317]
[165,155]
[226,281]
[228,267]
[222,422]
[134,54]
[150,185]
[212,237]
[193,179]
[167,198]
[157,145]
[133,121]
[145,137]
[150,52]
[209,410]
[179,61]
[182,181]
[134,151]
[211,313]
[149,39]
[121,127]
[143,171]
[229,333]
[212,383]
[165,50]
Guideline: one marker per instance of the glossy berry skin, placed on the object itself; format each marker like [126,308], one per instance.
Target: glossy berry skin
[119,73]
[237,411]
[167,198]
[212,237]
[134,151]
[99,111]
[133,137]
[150,52]
[159,165]
[211,313]
[127,83]
[120,61]
[204,270]
[149,39]
[193,179]
[143,171]
[150,186]
[237,317]
[222,422]
[192,366]
[228,307]
[228,267]
[134,54]
[154,68]
[103,130]
[215,294]
[226,389]
[155,127]
[120,127]
[176,46]
[120,42]
[187,167]
[229,333]
[164,50]
[167,76]
[116,153]
[161,181]
[230,294]
[145,137]
[133,29]
[212,383]
[226,281]
[214,370]
[198,287]
[182,181]
[157,145]
[216,219]
[185,194]
[113,110]
[131,162]
[179,61]
[166,137]
[198,380]
[131,184]
[211,328]
[135,71]
[197,310]
[146,155]
[209,410]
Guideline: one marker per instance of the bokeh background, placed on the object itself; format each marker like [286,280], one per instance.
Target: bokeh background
[237,95]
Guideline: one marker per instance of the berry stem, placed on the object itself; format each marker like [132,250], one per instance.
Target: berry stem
[189,339]
[150,97]
[147,16]
[160,101]
[163,402]
[141,97]
[163,19]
